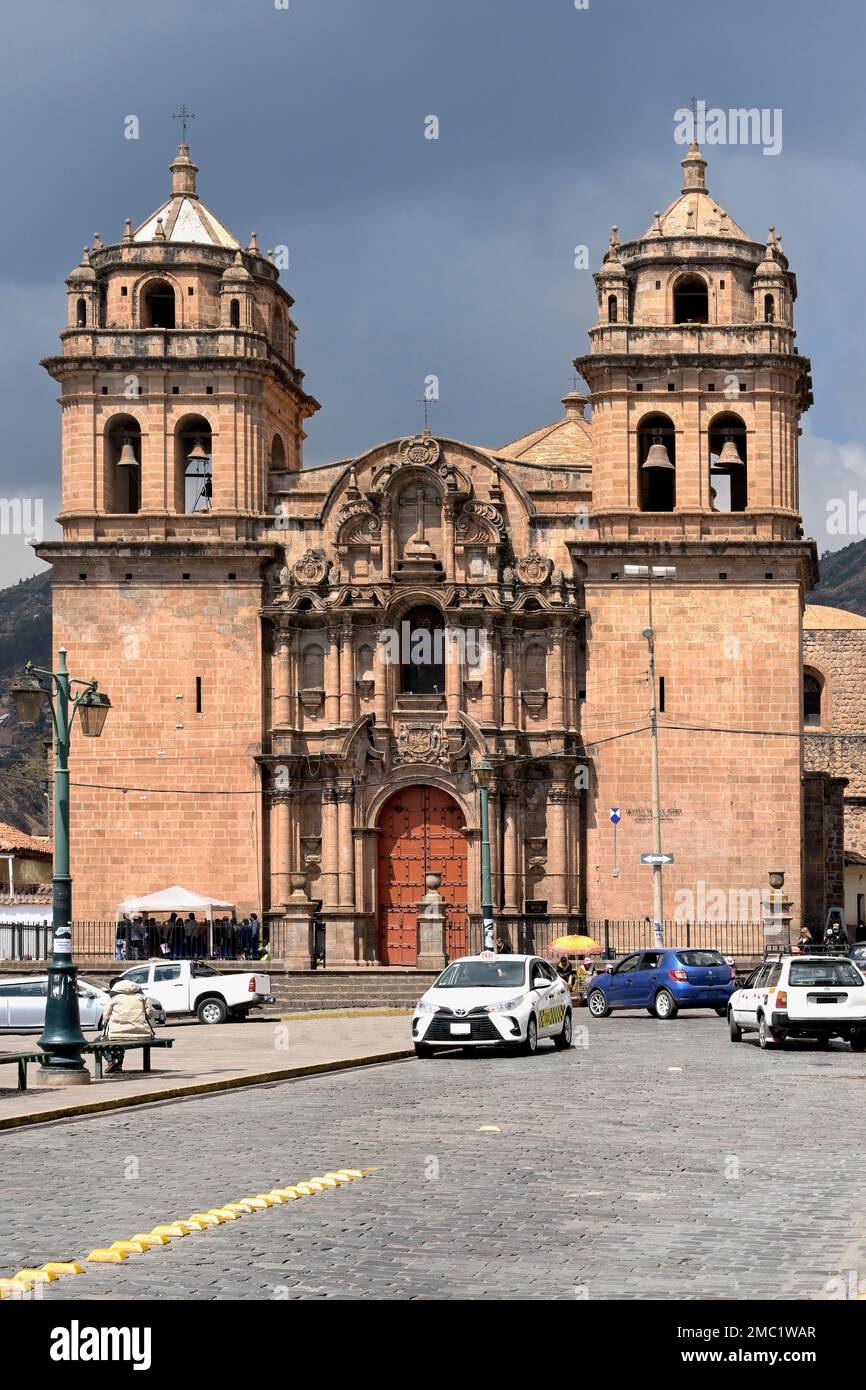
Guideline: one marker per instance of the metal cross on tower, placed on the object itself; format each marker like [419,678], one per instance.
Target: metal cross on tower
[184,117]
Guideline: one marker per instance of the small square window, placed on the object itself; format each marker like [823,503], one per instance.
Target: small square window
[743,386]
[175,390]
[82,576]
[721,284]
[658,284]
[208,390]
[190,290]
[615,574]
[723,574]
[711,386]
[124,291]
[184,576]
[581,694]
[105,390]
[768,574]
[127,576]
[232,574]
[639,386]
[670,386]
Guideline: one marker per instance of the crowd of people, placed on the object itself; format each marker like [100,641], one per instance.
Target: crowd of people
[188,938]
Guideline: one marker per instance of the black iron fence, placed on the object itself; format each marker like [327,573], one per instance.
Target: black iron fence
[535,935]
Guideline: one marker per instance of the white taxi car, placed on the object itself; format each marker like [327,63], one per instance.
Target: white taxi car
[488,999]
[814,996]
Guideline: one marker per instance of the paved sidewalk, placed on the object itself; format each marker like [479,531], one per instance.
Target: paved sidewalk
[207,1058]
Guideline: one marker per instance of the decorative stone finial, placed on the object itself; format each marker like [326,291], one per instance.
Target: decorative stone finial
[694,166]
[253,245]
[97,241]
[159,234]
[127,229]
[183,173]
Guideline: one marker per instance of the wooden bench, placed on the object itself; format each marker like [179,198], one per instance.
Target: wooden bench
[23,1059]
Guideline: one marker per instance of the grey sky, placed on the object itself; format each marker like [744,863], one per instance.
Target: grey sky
[412,256]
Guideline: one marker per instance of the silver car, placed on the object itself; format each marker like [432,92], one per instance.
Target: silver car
[23,999]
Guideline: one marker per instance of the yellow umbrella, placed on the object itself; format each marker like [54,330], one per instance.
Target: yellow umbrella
[578,945]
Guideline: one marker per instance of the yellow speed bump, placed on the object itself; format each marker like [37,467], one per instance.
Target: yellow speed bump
[350,1173]
[327,1181]
[309,1189]
[59,1267]
[223,1212]
[242,1208]
[259,1203]
[132,1247]
[149,1238]
[192,1225]
[173,1229]
[207,1218]
[106,1257]
[284,1194]
[34,1276]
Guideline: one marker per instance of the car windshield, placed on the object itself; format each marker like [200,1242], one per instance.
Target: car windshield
[823,972]
[482,974]
[706,958]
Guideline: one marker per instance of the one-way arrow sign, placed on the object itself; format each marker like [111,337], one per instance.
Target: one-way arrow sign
[657,859]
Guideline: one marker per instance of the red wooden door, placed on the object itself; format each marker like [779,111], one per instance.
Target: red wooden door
[421,833]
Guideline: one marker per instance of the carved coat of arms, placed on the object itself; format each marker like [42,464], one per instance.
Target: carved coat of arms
[422,743]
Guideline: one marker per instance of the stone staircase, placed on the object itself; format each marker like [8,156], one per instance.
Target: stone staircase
[348,989]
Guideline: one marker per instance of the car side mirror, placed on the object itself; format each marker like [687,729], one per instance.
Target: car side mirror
[539,982]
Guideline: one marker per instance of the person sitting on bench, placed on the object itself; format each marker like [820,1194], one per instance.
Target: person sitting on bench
[128,1018]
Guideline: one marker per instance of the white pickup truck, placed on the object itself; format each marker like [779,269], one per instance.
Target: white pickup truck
[194,987]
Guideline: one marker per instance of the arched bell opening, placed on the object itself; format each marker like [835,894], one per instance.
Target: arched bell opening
[769,308]
[122,453]
[728,444]
[691,300]
[193,465]
[157,305]
[657,455]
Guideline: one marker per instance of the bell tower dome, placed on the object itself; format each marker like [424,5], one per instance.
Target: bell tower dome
[696,386]
[182,404]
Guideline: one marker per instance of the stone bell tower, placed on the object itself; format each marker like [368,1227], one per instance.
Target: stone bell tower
[697,389]
[183,415]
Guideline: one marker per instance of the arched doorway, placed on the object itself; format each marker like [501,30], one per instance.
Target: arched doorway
[421,832]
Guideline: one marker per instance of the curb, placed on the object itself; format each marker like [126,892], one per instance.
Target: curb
[200,1088]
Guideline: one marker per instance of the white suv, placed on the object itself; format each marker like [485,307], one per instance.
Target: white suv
[813,996]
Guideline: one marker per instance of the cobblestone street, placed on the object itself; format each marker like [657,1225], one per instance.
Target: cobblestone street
[657,1160]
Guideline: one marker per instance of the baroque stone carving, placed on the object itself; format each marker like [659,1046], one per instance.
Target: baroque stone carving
[479,523]
[534,569]
[310,569]
[420,449]
[422,743]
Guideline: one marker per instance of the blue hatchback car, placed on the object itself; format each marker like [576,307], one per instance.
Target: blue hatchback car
[663,982]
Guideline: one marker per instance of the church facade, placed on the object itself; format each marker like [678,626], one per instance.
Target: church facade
[307,665]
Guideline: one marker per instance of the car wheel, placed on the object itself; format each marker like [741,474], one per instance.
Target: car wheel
[734,1028]
[563,1037]
[529,1046]
[858,1042]
[766,1037]
[211,1010]
[423,1050]
[665,1005]
[721,1010]
[597,1003]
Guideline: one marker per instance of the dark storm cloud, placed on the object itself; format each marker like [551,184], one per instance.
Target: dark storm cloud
[412,257]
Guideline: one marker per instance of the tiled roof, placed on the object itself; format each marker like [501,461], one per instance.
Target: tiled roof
[15,841]
[567,441]
[186,219]
[820,615]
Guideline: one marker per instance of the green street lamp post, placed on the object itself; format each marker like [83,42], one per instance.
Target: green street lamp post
[62,1039]
[483,772]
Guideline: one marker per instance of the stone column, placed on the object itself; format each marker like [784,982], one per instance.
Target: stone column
[281,702]
[488,676]
[510,848]
[557,848]
[509,685]
[386,538]
[346,845]
[570,663]
[449,514]
[380,677]
[293,927]
[332,676]
[555,700]
[279,825]
[453,674]
[347,674]
[330,848]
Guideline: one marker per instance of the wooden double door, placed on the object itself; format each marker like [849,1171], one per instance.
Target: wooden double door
[421,832]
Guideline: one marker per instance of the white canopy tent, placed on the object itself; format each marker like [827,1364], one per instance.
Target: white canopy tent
[174,899]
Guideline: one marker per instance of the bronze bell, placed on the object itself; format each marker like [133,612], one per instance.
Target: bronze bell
[197,453]
[658,456]
[127,455]
[729,457]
